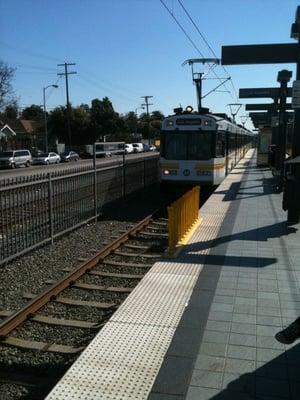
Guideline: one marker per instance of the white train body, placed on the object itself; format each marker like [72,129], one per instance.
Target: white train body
[200,148]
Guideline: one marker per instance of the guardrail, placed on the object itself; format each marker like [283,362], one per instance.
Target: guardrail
[183,218]
[33,213]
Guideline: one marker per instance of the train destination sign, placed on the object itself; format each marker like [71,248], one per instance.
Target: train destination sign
[265,107]
[260,54]
[253,93]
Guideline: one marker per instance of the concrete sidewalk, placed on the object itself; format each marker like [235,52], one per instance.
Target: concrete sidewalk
[247,290]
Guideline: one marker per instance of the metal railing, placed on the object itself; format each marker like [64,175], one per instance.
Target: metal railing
[183,216]
[37,211]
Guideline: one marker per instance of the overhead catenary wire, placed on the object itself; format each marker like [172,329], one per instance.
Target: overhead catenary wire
[182,28]
[191,41]
[207,44]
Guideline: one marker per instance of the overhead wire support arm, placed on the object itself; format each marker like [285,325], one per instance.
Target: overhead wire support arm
[215,89]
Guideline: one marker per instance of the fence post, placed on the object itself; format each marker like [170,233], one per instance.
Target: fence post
[144,173]
[50,207]
[95,183]
[124,175]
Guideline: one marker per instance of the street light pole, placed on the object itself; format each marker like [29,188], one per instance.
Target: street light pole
[143,108]
[45,115]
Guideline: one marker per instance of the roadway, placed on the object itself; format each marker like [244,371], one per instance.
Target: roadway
[105,162]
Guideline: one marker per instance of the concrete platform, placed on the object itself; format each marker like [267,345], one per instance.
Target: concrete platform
[202,326]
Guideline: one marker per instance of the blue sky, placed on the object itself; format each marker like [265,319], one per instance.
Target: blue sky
[125,49]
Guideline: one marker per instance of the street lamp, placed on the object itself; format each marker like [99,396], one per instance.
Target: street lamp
[142,108]
[45,115]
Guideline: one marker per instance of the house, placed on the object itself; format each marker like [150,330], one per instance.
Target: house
[21,134]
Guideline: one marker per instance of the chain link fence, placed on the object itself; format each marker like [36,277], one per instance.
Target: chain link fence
[42,207]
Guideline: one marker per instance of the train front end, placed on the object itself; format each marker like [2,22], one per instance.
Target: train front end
[191,151]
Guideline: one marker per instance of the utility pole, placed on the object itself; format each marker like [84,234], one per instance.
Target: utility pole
[147,104]
[66,73]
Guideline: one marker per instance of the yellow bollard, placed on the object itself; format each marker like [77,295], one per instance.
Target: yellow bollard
[183,218]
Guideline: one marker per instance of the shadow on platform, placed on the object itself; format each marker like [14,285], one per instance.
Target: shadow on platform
[236,189]
[262,234]
[278,378]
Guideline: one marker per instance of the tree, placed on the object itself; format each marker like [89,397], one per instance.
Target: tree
[34,112]
[131,122]
[11,111]
[150,125]
[6,90]
[57,124]
[157,115]
[104,120]
[80,124]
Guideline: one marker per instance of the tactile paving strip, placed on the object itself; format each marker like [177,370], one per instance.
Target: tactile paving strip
[120,364]
[123,360]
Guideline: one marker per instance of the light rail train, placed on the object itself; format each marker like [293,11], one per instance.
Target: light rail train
[200,148]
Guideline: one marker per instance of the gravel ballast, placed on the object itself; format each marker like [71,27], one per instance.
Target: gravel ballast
[30,273]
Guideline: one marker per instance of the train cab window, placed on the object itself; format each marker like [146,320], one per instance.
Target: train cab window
[199,145]
[186,145]
[174,146]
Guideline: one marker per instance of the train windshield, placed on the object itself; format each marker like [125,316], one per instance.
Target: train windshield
[187,145]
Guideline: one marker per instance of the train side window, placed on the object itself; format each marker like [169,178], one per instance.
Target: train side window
[220,145]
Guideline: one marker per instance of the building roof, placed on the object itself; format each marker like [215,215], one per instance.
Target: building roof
[23,126]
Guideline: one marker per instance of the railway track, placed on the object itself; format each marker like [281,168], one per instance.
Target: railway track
[41,340]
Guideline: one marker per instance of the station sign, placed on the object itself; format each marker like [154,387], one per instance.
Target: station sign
[296,94]
[260,54]
[252,93]
[265,107]
[259,115]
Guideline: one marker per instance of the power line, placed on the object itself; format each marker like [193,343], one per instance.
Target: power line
[31,54]
[206,42]
[104,87]
[114,85]
[35,67]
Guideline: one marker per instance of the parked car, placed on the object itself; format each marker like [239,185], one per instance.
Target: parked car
[69,156]
[146,147]
[46,158]
[152,148]
[128,148]
[137,147]
[15,158]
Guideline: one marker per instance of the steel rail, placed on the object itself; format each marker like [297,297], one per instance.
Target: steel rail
[16,319]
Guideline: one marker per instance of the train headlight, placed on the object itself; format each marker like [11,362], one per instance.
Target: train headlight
[170,123]
[166,172]
[189,109]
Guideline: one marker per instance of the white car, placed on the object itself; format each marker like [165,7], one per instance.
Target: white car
[128,148]
[46,158]
[138,147]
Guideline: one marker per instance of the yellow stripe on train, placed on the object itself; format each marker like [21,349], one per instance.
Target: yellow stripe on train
[208,167]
